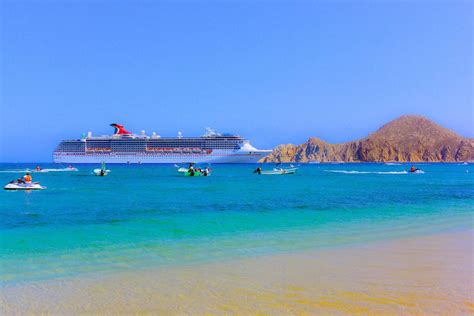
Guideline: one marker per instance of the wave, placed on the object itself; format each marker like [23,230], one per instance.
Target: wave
[393,164]
[366,172]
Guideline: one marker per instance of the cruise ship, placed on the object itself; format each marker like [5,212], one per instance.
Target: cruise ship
[126,147]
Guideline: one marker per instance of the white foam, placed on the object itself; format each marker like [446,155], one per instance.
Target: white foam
[42,170]
[56,170]
[366,172]
[15,171]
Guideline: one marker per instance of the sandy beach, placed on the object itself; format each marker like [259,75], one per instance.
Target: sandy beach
[428,275]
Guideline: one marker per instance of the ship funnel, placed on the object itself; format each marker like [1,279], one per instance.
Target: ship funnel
[119,129]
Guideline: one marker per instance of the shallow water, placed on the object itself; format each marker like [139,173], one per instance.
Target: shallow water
[143,216]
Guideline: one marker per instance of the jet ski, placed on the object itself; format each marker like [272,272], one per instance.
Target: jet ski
[15,185]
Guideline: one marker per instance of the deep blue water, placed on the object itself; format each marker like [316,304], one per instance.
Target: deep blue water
[143,216]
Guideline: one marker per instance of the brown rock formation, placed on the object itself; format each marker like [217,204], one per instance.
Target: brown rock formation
[408,138]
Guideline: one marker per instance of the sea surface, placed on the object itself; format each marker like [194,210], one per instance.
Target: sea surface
[148,216]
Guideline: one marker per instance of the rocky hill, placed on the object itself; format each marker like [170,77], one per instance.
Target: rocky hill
[409,138]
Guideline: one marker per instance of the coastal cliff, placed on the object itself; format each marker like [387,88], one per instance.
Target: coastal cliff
[410,138]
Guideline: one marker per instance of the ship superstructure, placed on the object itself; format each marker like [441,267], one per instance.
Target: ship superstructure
[125,147]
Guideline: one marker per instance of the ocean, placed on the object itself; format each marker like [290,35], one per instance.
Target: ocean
[149,216]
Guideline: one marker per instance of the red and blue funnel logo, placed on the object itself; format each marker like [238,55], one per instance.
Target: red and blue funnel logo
[120,130]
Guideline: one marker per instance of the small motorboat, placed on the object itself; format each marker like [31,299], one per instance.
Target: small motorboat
[101,172]
[276,171]
[15,185]
[196,172]
[193,171]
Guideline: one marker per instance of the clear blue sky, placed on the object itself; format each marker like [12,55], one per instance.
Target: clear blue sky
[273,71]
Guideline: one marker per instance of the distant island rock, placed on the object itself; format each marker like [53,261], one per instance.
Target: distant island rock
[409,138]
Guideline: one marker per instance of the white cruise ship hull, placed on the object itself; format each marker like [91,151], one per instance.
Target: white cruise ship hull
[217,156]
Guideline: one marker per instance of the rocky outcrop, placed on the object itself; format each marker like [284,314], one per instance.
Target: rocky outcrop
[409,138]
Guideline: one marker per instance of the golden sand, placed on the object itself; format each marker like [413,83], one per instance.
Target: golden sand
[431,275]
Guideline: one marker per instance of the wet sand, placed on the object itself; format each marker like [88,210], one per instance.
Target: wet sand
[428,275]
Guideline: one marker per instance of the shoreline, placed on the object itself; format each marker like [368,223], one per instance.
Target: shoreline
[431,274]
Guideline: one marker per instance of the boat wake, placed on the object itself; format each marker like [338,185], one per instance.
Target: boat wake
[393,164]
[55,170]
[40,171]
[366,172]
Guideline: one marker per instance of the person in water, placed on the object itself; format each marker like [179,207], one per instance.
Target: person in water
[191,169]
[27,178]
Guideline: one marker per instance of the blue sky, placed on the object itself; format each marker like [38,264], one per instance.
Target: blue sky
[273,71]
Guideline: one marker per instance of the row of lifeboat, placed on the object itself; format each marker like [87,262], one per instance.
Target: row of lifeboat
[99,150]
[157,150]
[179,150]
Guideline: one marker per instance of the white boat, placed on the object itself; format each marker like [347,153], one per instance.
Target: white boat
[102,171]
[23,186]
[198,171]
[126,147]
[98,172]
[278,171]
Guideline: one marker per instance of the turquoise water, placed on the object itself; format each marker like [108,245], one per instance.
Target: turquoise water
[143,216]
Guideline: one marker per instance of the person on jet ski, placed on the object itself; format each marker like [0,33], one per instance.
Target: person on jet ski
[102,172]
[258,170]
[38,168]
[413,169]
[27,178]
